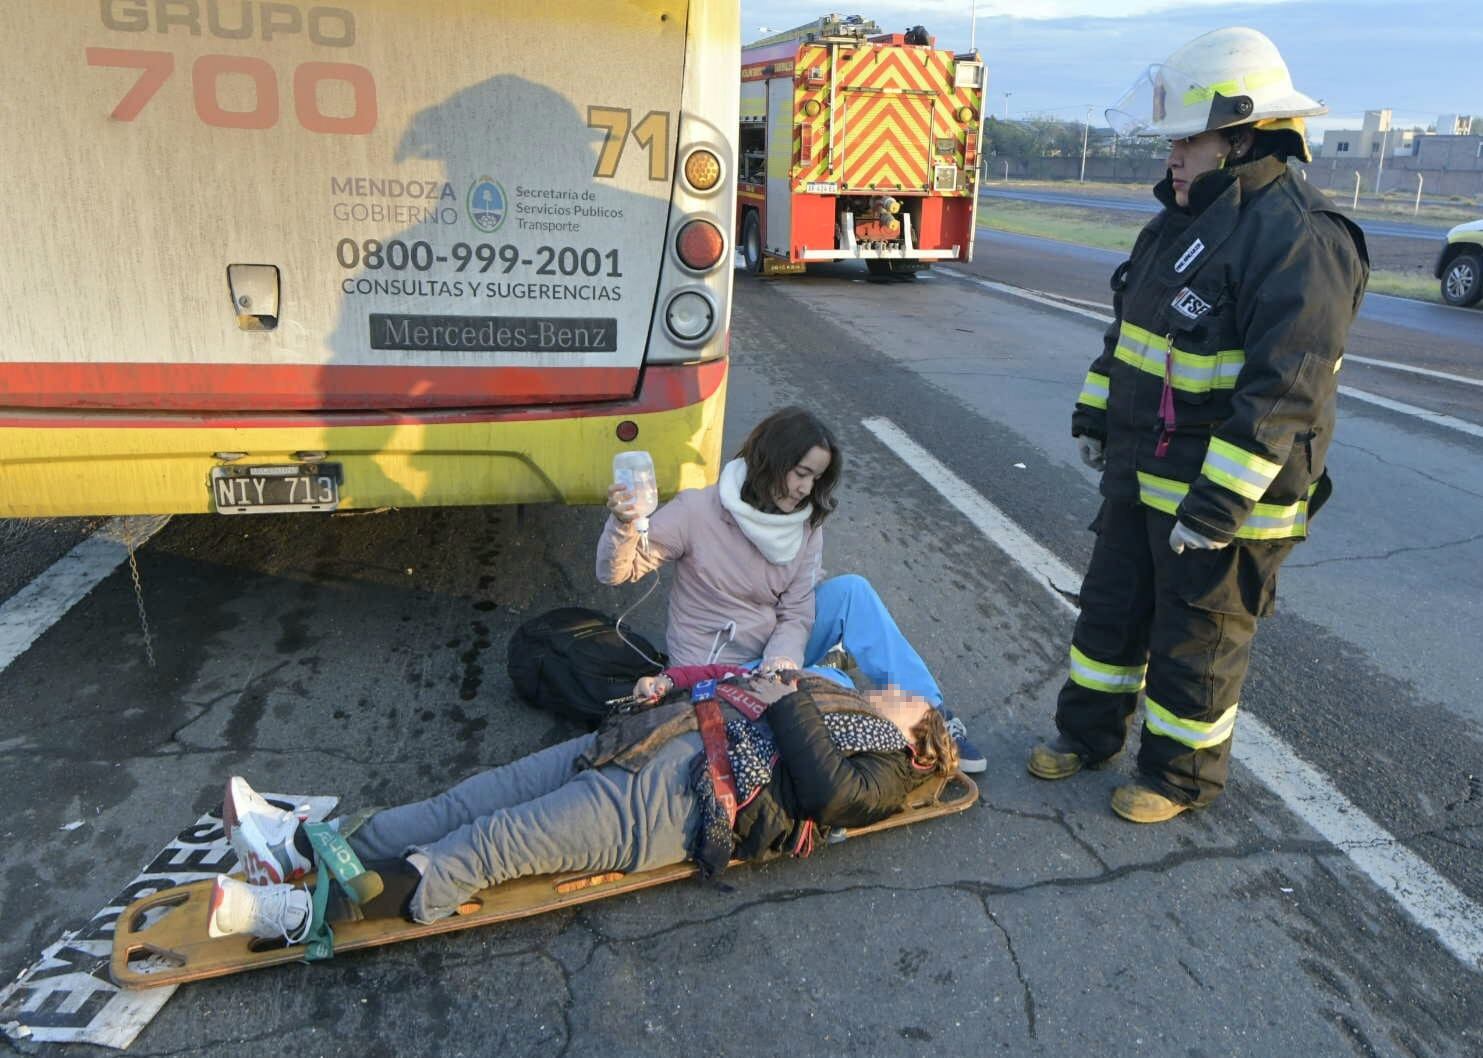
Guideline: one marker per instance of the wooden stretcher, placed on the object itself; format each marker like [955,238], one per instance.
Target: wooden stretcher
[161,939]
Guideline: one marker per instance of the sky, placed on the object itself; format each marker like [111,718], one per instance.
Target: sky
[1056,57]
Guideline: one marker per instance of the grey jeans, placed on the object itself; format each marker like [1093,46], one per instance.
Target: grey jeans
[539,815]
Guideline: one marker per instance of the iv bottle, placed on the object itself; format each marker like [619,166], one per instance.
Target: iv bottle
[634,470]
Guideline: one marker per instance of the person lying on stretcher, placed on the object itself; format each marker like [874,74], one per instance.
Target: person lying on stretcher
[636,794]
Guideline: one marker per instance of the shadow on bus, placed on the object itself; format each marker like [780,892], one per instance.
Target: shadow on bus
[471,264]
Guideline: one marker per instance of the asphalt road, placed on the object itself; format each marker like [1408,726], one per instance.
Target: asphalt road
[362,656]
[1405,507]
[1418,333]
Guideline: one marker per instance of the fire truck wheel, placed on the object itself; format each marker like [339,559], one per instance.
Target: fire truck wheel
[752,242]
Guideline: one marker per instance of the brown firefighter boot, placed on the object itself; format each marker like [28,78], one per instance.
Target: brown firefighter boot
[1056,759]
[1142,804]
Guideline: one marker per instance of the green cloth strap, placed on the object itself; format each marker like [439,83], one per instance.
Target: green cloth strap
[320,943]
[335,860]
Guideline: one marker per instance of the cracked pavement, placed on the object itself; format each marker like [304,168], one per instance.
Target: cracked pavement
[363,657]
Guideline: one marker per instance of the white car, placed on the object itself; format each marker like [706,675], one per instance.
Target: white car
[1460,264]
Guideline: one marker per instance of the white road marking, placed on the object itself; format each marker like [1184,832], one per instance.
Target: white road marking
[1432,417]
[1431,900]
[1391,365]
[39,605]
[1019,292]
[1436,418]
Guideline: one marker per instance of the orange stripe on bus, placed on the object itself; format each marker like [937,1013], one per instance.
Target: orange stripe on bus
[300,387]
[665,388]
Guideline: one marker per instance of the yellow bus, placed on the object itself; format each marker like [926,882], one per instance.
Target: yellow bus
[296,257]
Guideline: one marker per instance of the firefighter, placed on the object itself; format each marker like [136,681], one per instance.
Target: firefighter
[1209,414]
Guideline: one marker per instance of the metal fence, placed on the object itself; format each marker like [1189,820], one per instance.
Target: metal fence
[1397,176]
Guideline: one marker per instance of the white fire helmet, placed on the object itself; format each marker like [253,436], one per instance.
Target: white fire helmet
[1232,76]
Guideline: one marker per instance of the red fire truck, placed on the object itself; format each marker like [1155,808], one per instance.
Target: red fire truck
[857,145]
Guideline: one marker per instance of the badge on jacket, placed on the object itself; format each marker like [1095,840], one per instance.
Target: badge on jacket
[1189,304]
[1187,258]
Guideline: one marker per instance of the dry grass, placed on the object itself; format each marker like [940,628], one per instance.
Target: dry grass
[1405,285]
[1104,229]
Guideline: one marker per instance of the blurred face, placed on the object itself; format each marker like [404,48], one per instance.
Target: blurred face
[799,483]
[1194,156]
[900,707]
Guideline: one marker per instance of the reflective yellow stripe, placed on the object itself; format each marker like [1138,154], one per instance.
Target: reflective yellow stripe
[1275,521]
[1338,364]
[1110,679]
[1254,80]
[1162,494]
[1094,391]
[1143,349]
[1190,372]
[1267,521]
[1261,78]
[1241,471]
[1196,734]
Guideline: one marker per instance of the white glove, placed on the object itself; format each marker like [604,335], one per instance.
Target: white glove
[1182,536]
[1090,450]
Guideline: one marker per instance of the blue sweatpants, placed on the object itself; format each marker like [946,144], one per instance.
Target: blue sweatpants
[847,610]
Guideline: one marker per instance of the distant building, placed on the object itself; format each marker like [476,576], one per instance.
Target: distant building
[1450,153]
[1365,144]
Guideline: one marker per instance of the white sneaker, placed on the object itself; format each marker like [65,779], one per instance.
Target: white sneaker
[262,835]
[272,912]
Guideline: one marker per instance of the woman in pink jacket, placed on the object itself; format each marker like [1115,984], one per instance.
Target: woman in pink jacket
[747,555]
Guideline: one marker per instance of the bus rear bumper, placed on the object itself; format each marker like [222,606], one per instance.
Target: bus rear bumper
[72,462]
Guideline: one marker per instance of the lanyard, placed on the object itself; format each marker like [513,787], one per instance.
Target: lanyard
[1166,401]
[713,738]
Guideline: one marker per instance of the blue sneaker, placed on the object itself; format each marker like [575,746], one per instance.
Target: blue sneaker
[970,760]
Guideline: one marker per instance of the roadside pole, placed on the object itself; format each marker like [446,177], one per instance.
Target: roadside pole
[1085,128]
[1380,169]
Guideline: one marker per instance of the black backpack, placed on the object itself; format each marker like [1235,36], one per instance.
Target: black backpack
[573,662]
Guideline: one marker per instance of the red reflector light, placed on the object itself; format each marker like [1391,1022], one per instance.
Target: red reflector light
[627,430]
[700,245]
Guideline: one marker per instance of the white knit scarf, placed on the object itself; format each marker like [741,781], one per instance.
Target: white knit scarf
[777,536]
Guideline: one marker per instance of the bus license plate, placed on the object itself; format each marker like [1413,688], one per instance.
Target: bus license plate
[276,488]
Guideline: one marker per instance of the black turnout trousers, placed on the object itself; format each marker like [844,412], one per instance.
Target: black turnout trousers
[1183,624]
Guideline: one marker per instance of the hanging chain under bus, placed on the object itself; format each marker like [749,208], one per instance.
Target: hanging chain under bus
[133,533]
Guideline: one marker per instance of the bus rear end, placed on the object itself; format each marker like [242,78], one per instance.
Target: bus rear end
[276,256]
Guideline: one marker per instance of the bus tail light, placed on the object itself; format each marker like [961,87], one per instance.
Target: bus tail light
[690,316]
[700,245]
[702,170]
